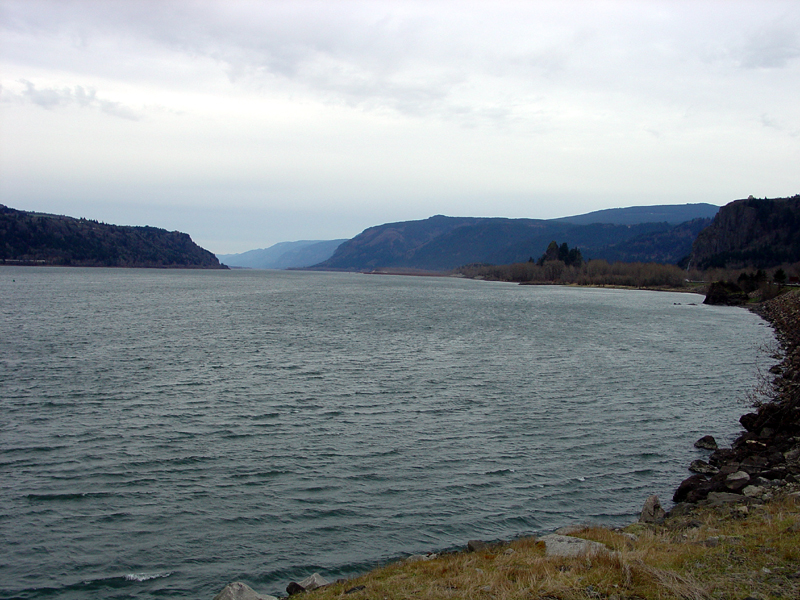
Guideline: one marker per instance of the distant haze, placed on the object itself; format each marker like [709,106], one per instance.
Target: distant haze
[283,255]
[250,123]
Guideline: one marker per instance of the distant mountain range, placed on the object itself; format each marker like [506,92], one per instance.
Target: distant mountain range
[634,215]
[443,243]
[31,238]
[751,233]
[284,255]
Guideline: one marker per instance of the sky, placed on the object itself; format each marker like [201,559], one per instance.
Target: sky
[247,123]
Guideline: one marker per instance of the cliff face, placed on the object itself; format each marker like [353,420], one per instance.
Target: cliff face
[29,238]
[751,233]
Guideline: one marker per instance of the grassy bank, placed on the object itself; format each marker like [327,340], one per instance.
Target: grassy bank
[730,552]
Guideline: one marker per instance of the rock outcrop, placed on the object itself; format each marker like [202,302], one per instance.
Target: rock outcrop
[311,582]
[750,233]
[652,511]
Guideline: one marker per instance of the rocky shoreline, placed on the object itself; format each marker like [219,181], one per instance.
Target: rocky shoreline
[763,464]
[765,459]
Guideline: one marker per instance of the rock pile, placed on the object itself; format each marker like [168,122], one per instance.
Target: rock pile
[766,457]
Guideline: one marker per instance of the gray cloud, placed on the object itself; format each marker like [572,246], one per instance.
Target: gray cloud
[401,105]
[51,98]
[773,48]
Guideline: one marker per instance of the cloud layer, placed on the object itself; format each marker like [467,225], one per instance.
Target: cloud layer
[375,111]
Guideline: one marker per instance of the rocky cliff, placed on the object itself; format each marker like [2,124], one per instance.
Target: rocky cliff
[751,233]
[28,238]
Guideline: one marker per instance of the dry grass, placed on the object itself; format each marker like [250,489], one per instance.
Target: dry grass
[711,554]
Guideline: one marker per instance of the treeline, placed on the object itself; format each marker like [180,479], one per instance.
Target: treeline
[574,271]
[593,272]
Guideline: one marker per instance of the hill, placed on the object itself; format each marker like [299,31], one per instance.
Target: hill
[443,243]
[284,255]
[30,238]
[751,233]
[666,213]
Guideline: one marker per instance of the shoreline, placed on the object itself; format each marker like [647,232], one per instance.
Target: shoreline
[765,455]
[759,474]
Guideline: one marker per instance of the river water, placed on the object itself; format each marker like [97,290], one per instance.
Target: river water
[164,433]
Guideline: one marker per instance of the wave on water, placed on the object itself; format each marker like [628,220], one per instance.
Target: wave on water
[88,585]
[145,576]
[67,496]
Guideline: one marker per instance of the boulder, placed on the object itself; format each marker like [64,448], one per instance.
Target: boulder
[754,463]
[748,421]
[569,529]
[703,490]
[736,481]
[651,511]
[563,545]
[706,442]
[720,498]
[240,591]
[475,545]
[688,485]
[681,509]
[753,491]
[311,582]
[701,466]
[722,456]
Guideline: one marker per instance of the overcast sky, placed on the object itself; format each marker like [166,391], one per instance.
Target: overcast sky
[246,123]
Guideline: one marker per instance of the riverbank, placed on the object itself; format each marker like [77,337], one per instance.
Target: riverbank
[733,542]
[731,552]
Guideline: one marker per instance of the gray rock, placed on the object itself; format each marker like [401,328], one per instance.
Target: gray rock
[651,511]
[563,545]
[792,455]
[701,466]
[736,481]
[720,498]
[681,509]
[475,545]
[568,529]
[753,491]
[420,557]
[240,591]
[706,442]
[311,582]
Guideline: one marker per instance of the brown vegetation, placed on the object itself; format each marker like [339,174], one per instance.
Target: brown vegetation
[722,552]
[618,274]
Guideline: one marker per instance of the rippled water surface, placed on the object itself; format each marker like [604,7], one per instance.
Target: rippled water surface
[166,432]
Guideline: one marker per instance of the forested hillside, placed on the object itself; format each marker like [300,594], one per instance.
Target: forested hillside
[28,238]
[442,243]
[751,233]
